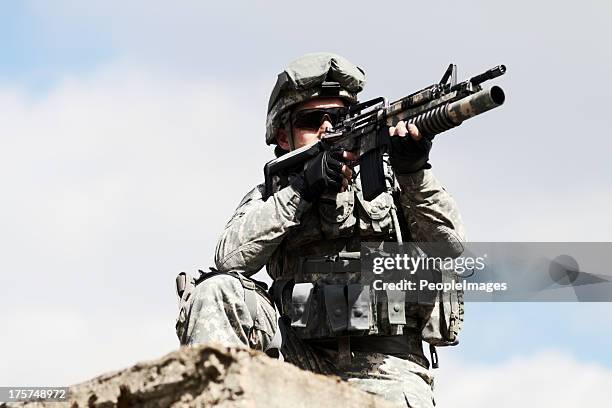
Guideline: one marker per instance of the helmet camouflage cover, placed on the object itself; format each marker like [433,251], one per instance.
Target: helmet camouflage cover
[302,80]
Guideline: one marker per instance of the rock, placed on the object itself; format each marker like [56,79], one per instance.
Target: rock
[211,375]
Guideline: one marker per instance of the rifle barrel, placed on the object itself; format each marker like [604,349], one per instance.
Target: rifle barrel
[490,74]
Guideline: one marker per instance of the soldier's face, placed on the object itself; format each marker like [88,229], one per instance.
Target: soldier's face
[303,136]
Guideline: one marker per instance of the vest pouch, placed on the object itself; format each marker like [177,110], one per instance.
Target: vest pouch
[377,217]
[336,307]
[359,307]
[322,311]
[396,306]
[301,298]
[185,283]
[443,325]
[336,214]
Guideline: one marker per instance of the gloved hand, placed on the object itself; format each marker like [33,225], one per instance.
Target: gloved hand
[325,172]
[409,149]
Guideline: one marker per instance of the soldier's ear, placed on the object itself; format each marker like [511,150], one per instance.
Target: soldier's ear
[282,139]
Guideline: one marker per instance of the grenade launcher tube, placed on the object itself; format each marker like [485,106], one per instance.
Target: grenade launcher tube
[444,117]
[475,104]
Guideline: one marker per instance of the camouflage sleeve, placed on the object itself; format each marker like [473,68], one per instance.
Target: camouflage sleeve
[257,228]
[431,211]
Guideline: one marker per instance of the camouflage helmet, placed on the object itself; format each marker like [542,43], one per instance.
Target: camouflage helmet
[303,80]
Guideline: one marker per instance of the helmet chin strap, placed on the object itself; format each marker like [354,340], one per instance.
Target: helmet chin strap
[290,138]
[288,130]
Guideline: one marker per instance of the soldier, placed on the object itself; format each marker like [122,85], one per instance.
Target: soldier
[308,235]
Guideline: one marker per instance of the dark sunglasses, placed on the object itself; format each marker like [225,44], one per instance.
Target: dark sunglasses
[313,118]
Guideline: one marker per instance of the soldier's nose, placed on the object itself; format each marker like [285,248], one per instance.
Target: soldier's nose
[325,126]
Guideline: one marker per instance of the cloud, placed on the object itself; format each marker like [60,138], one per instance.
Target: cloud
[122,153]
[114,182]
[581,329]
[229,37]
[545,379]
[117,177]
[57,346]
[544,151]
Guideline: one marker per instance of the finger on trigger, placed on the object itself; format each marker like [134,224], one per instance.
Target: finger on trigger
[346,171]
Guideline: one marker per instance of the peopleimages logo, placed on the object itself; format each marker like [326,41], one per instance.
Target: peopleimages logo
[405,262]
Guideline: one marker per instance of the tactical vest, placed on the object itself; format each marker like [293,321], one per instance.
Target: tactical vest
[317,272]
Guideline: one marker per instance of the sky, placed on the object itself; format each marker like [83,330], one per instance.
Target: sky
[129,132]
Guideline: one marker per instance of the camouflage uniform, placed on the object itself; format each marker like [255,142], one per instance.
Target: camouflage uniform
[217,313]
[287,234]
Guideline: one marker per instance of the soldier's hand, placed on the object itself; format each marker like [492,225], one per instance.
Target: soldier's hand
[402,129]
[409,149]
[328,171]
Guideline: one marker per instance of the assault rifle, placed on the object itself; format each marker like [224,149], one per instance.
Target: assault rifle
[364,127]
